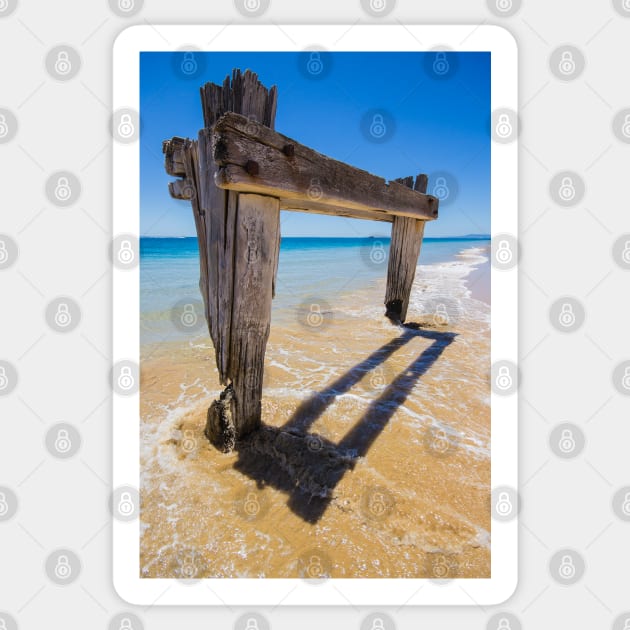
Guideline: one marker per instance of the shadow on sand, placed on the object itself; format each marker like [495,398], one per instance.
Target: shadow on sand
[306,466]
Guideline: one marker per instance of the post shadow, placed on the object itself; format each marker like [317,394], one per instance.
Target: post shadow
[308,467]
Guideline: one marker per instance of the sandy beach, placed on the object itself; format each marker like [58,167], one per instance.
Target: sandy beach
[395,479]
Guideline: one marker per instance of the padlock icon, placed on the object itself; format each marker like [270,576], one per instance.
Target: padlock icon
[625,255]
[567,316]
[125,379]
[126,128]
[440,317]
[315,569]
[125,505]
[126,5]
[504,5]
[63,192]
[625,381]
[504,624]
[252,624]
[567,441]
[566,568]
[504,505]
[189,64]
[440,442]
[440,64]
[4,254]
[377,253]
[188,568]
[252,5]
[441,190]
[440,567]
[377,378]
[126,255]
[378,507]
[377,624]
[625,128]
[4,507]
[315,318]
[4,381]
[189,317]
[251,505]
[626,625]
[378,5]
[315,190]
[4,128]
[62,318]
[625,506]
[504,253]
[125,624]
[62,442]
[62,569]
[189,442]
[567,189]
[504,378]
[63,66]
[567,63]
[378,128]
[315,64]
[504,126]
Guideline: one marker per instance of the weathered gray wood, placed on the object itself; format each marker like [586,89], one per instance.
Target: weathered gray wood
[254,158]
[404,250]
[242,237]
[182,159]
[257,240]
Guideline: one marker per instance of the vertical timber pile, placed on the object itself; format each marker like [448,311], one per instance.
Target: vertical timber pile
[404,250]
[239,241]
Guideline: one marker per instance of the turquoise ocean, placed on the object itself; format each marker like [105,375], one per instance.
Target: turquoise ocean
[328,268]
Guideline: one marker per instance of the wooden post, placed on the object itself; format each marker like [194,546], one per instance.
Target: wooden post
[239,241]
[404,250]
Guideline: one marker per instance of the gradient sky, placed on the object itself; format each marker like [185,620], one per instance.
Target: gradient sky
[440,126]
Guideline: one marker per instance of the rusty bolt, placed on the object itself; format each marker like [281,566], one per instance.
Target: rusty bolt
[289,150]
[252,167]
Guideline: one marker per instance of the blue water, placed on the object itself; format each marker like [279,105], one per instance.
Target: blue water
[324,267]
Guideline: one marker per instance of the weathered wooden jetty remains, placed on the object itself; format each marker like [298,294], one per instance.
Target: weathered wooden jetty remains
[238,175]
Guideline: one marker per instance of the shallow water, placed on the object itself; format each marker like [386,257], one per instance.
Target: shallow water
[399,420]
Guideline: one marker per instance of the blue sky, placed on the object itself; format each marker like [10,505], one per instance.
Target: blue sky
[434,126]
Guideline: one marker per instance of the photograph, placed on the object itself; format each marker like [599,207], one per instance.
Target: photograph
[315,314]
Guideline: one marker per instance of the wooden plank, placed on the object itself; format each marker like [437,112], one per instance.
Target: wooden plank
[407,234]
[173,150]
[254,158]
[257,241]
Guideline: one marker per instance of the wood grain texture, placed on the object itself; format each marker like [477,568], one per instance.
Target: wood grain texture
[404,250]
[306,176]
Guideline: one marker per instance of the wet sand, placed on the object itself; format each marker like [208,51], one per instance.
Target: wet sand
[375,459]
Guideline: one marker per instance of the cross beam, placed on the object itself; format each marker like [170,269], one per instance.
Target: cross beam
[238,175]
[254,158]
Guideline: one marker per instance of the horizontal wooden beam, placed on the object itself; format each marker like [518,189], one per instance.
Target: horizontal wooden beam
[254,158]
